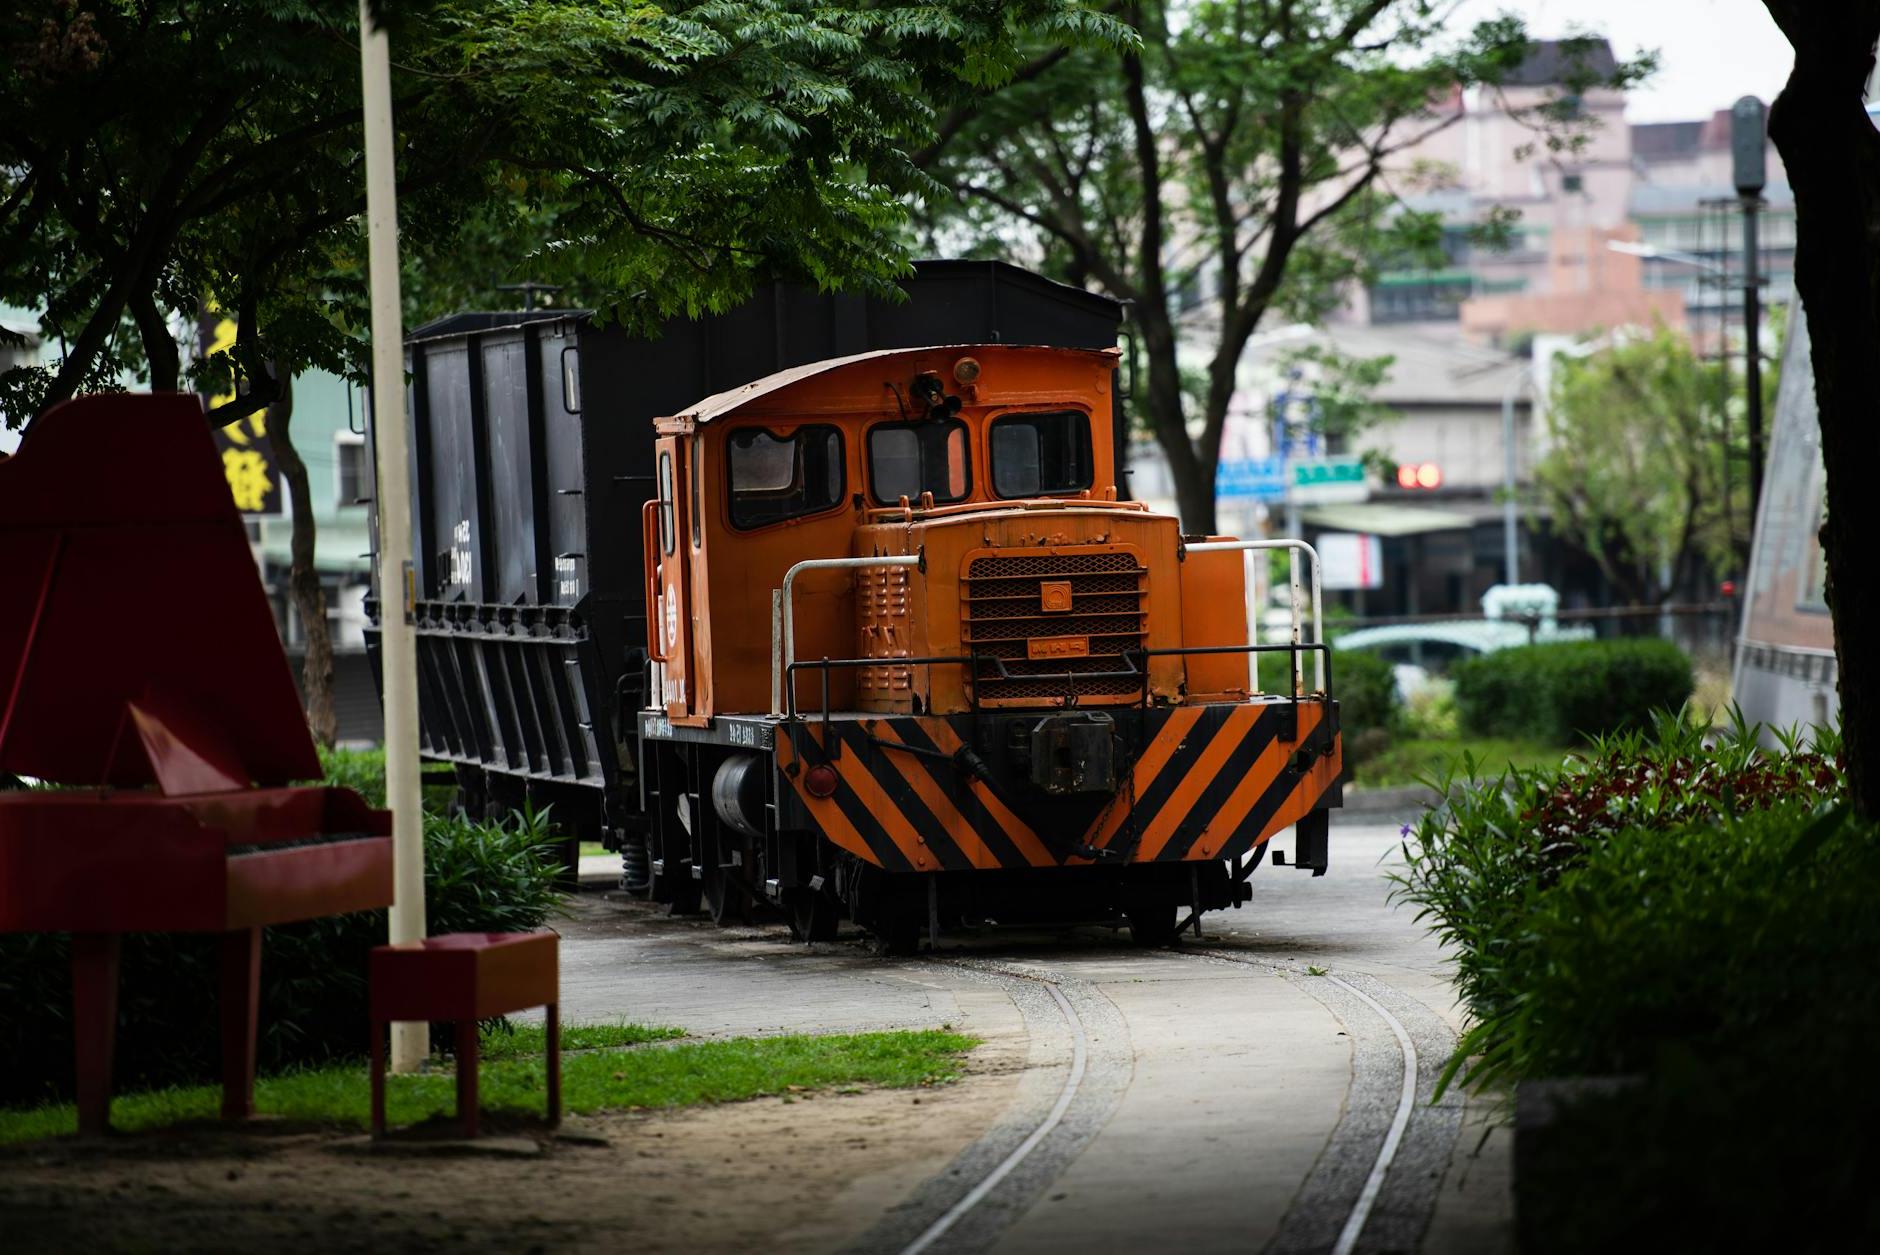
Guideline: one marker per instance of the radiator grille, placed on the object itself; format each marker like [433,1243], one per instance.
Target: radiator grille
[1108,617]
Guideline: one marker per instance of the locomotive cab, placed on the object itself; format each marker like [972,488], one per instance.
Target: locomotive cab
[912,661]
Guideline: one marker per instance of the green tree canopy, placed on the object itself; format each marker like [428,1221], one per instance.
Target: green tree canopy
[1231,166]
[1646,466]
[163,155]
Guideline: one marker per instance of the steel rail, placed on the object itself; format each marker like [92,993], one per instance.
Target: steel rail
[1374,1183]
[1080,1057]
[1361,1209]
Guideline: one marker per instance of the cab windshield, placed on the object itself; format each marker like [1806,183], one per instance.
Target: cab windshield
[1041,455]
[907,459]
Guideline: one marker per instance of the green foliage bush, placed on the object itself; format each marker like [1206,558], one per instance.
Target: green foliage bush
[1565,690]
[1696,916]
[1366,688]
[362,771]
[1430,713]
[478,877]
[1494,857]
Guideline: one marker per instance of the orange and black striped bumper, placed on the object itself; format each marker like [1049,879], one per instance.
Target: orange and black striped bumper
[1198,783]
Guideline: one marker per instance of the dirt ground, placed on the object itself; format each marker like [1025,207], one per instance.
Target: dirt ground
[810,1173]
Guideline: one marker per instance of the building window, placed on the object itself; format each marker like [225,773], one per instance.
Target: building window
[1427,296]
[349,469]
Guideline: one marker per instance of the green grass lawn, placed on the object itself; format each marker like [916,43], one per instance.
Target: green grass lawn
[600,1077]
[592,849]
[525,1041]
[1409,760]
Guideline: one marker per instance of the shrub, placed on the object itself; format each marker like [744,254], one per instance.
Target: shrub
[1568,689]
[478,877]
[1366,688]
[362,771]
[1430,711]
[1698,916]
[1728,963]
[1480,865]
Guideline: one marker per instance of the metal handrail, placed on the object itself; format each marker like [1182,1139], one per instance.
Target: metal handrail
[824,664]
[1318,619]
[975,661]
[783,612]
[1321,653]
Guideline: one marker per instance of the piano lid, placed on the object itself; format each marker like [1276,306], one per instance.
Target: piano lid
[126,578]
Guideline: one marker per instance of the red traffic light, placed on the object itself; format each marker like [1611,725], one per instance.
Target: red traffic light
[1419,475]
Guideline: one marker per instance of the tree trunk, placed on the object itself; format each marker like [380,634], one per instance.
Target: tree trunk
[303,580]
[1194,480]
[159,345]
[1832,154]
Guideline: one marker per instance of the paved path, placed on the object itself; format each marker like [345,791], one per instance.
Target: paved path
[1230,1097]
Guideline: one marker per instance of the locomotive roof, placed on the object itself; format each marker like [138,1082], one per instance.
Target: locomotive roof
[722,404]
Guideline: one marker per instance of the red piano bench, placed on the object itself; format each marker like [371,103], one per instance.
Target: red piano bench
[464,978]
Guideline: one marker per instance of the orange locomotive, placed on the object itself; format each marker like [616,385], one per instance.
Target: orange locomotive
[914,663]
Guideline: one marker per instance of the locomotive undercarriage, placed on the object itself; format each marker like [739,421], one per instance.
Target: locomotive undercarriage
[732,832]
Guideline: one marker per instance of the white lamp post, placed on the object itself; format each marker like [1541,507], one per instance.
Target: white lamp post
[398,646]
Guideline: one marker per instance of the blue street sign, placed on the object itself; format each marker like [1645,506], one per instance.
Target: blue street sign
[1262,479]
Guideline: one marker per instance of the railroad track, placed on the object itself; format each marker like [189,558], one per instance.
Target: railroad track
[998,1178]
[1387,1210]
[1081,1064]
[1080,1057]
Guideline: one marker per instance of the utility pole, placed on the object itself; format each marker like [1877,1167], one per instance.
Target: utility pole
[1510,517]
[398,645]
[1748,131]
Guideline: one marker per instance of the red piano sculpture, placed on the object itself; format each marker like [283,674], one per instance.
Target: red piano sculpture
[140,667]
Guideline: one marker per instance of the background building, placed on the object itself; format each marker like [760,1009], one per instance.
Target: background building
[1640,225]
[1663,188]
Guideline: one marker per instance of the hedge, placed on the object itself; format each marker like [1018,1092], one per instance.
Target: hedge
[478,877]
[1567,690]
[1366,688]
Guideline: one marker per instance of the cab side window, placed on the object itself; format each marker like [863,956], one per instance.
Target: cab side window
[665,503]
[777,477]
[907,459]
[1038,455]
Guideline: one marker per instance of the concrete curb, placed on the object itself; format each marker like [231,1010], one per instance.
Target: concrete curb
[1400,800]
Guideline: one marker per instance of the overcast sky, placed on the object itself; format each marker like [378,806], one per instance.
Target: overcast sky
[1709,51]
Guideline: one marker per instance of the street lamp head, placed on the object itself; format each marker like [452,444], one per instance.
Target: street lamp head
[1748,140]
[1652,253]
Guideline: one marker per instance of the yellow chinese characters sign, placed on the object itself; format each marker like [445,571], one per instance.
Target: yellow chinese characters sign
[247,457]
[248,461]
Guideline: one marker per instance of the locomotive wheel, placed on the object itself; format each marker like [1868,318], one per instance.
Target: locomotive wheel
[891,912]
[1152,927]
[813,916]
[725,899]
[898,934]
[680,892]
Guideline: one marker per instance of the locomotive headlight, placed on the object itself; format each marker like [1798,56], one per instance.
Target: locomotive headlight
[927,390]
[966,370]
